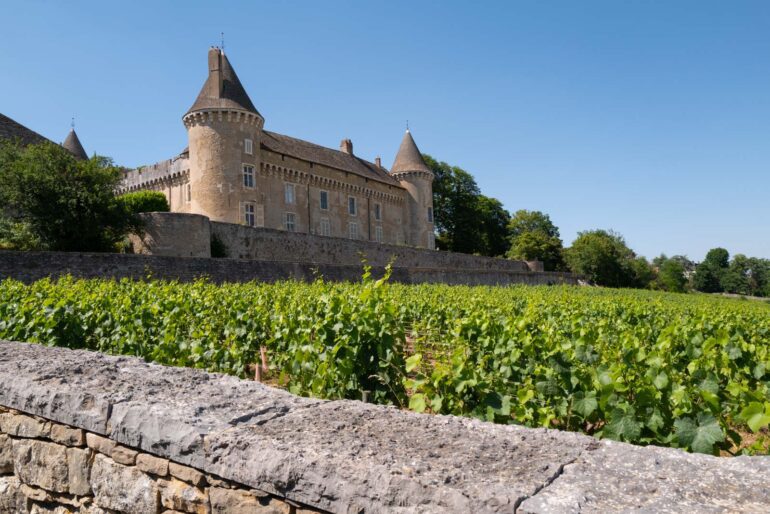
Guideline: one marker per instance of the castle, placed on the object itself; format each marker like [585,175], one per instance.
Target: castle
[234,171]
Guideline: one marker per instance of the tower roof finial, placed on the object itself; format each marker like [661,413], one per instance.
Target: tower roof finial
[72,123]
[408,157]
[222,39]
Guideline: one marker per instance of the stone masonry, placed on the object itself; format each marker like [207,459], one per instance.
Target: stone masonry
[86,432]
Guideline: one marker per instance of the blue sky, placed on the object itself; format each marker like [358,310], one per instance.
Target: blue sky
[648,117]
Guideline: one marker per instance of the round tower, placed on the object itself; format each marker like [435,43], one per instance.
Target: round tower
[414,175]
[224,131]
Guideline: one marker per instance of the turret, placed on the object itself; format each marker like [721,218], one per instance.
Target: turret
[224,130]
[414,175]
[73,146]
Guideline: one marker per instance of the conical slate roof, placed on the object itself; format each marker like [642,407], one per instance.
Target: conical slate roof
[13,130]
[72,144]
[222,89]
[408,157]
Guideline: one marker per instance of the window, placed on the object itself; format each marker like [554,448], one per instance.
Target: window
[290,222]
[351,206]
[377,212]
[430,214]
[248,176]
[189,194]
[353,230]
[378,234]
[248,214]
[326,227]
[288,194]
[324,200]
[248,146]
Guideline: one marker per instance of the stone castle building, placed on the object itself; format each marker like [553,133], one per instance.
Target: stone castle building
[235,171]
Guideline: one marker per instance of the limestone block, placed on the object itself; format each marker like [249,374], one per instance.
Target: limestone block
[79,470]
[23,426]
[236,501]
[68,436]
[42,464]
[34,493]
[187,474]
[100,444]
[6,455]
[11,497]
[123,455]
[55,509]
[181,496]
[123,488]
[151,464]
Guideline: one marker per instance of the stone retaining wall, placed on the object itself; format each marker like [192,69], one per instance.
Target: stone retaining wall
[86,432]
[31,266]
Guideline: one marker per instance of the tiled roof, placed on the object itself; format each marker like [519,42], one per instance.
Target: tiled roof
[311,152]
[408,157]
[72,144]
[10,129]
[227,94]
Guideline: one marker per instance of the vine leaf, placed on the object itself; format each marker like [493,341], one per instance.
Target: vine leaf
[699,434]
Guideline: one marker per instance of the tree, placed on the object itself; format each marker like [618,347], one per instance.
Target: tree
[709,273]
[466,220]
[534,237]
[671,276]
[494,226]
[531,221]
[537,246]
[57,202]
[604,258]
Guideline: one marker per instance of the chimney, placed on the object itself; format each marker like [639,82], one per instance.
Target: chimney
[346,146]
[215,72]
[378,161]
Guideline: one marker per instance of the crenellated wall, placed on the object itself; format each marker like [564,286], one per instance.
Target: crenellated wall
[90,433]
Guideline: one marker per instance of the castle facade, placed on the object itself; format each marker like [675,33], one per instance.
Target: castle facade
[235,171]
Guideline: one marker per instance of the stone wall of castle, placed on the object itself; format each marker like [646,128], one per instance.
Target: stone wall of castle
[272,245]
[174,234]
[91,433]
[31,266]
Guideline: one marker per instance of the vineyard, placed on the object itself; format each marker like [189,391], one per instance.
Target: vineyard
[688,371]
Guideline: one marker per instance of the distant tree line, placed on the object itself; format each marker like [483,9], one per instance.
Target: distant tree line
[470,222]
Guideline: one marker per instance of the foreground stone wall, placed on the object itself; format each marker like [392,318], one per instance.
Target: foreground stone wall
[86,432]
[31,266]
[51,467]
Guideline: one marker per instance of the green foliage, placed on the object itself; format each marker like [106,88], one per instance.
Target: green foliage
[535,238]
[144,201]
[218,247]
[605,259]
[52,201]
[688,371]
[671,276]
[466,221]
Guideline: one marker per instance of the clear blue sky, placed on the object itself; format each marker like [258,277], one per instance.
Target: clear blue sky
[648,117]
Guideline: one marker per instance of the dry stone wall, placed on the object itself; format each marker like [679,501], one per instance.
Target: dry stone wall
[50,467]
[86,432]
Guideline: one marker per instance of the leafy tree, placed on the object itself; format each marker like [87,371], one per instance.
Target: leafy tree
[605,259]
[671,276]
[535,237]
[531,221]
[709,273]
[643,273]
[56,202]
[144,201]
[466,220]
[494,226]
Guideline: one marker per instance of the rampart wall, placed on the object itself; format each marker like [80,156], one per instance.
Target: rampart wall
[90,433]
[31,266]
